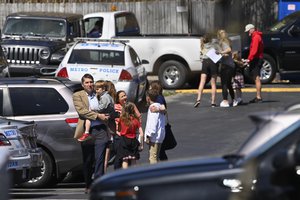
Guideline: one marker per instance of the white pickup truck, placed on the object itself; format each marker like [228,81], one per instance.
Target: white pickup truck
[174,58]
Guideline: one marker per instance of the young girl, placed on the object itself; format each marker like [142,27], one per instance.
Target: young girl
[129,146]
[238,79]
[209,68]
[227,69]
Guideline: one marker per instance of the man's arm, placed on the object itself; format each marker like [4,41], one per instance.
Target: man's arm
[254,47]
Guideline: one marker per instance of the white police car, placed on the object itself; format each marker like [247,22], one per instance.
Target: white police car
[111,60]
[25,158]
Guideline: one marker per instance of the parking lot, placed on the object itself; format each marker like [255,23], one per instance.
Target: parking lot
[204,131]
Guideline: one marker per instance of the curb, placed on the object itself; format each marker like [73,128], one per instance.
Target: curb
[194,91]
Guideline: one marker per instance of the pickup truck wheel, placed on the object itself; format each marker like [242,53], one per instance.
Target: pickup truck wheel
[47,179]
[267,72]
[172,74]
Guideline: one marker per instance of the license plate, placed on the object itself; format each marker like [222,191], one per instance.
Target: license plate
[10,133]
[12,164]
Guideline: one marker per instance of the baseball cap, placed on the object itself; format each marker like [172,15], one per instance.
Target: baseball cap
[248,27]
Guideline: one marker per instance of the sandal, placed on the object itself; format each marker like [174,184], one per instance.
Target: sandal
[197,103]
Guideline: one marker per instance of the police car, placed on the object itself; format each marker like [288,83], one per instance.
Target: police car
[25,158]
[111,60]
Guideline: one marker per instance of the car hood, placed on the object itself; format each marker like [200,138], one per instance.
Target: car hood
[133,175]
[56,44]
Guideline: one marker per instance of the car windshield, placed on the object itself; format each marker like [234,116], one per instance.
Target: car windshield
[283,23]
[35,27]
[262,137]
[97,57]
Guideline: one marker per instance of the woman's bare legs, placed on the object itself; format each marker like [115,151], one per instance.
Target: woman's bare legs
[213,82]
[200,89]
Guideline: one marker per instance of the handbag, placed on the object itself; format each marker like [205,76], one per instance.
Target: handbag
[169,141]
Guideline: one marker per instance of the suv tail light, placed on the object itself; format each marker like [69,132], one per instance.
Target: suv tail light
[72,122]
[125,76]
[4,141]
[63,73]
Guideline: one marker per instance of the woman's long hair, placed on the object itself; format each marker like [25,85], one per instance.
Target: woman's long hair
[222,36]
[128,113]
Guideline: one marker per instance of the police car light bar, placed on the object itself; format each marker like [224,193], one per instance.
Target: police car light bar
[99,40]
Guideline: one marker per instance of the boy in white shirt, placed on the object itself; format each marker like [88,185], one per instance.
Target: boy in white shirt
[155,127]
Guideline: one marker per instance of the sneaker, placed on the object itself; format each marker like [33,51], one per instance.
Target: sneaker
[224,104]
[240,101]
[85,137]
[235,103]
[256,100]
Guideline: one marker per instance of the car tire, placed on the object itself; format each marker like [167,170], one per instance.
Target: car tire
[172,74]
[267,72]
[48,177]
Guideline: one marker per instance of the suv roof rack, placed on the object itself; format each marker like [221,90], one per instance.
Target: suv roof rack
[81,39]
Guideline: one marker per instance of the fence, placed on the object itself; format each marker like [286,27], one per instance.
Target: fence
[168,16]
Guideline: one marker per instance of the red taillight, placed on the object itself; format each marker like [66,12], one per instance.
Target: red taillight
[4,141]
[125,76]
[72,121]
[63,73]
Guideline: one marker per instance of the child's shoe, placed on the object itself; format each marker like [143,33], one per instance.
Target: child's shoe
[235,103]
[85,137]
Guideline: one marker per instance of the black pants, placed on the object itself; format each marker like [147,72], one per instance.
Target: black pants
[93,154]
[116,143]
[226,75]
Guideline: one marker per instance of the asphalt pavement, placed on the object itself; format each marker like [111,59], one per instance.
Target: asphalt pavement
[200,132]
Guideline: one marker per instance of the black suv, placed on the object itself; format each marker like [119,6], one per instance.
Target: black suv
[36,42]
[281,49]
[47,102]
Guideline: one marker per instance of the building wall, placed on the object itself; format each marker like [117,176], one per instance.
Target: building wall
[171,16]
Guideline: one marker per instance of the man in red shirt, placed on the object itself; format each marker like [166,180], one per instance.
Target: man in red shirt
[255,59]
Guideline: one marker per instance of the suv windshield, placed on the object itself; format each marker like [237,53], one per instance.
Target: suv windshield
[284,22]
[97,57]
[35,27]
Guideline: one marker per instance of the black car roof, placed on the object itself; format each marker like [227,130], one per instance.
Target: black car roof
[55,15]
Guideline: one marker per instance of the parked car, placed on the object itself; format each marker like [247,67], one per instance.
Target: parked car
[36,42]
[266,167]
[281,50]
[5,177]
[111,60]
[25,159]
[48,102]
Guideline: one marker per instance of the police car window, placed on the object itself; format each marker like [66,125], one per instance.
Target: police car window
[134,57]
[90,56]
[37,101]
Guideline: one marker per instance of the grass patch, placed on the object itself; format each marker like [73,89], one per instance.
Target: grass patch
[169,92]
